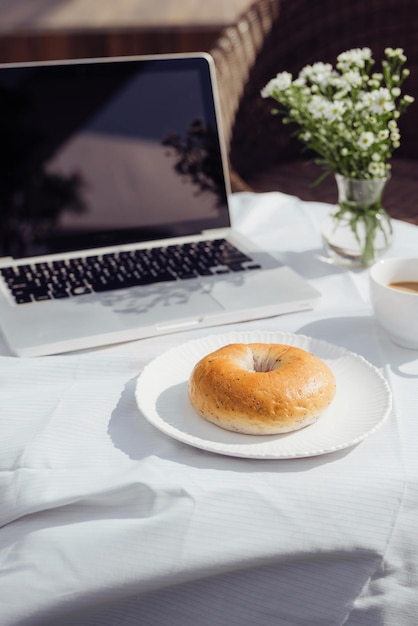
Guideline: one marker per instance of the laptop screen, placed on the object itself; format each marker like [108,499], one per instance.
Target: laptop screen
[105,152]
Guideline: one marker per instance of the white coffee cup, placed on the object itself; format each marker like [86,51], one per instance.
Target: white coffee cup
[396,310]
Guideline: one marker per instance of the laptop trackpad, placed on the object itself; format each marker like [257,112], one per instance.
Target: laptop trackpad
[264,289]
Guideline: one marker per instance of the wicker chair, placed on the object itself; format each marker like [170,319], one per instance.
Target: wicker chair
[277,35]
[236,53]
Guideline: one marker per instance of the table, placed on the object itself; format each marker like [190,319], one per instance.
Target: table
[105,520]
[60,29]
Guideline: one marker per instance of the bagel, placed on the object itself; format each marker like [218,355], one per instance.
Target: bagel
[260,388]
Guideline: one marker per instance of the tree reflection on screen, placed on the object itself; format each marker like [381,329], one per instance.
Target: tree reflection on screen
[199,159]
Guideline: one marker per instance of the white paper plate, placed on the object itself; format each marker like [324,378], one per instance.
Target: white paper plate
[361,404]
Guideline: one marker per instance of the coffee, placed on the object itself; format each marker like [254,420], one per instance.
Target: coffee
[408,285]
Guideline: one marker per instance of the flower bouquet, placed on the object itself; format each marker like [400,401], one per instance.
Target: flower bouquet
[348,115]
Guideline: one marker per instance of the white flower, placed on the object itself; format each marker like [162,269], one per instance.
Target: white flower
[355,57]
[281,82]
[299,82]
[382,135]
[395,53]
[381,101]
[374,84]
[376,169]
[317,106]
[267,89]
[366,140]
[334,110]
[361,105]
[318,73]
[352,78]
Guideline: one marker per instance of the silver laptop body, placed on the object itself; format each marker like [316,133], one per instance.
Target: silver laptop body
[112,161]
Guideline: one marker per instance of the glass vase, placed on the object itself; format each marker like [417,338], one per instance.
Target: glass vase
[359,230]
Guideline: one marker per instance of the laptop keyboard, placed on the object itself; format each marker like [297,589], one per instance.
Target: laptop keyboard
[99,273]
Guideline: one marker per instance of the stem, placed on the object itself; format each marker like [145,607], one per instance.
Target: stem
[373,218]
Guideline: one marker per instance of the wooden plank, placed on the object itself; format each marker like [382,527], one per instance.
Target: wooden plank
[32,30]
[51,15]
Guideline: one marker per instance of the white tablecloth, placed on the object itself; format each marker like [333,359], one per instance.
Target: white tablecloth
[106,521]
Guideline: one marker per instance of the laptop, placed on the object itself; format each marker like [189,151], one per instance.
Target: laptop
[114,217]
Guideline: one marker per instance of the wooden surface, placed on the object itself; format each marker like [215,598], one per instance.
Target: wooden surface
[53,29]
[81,14]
